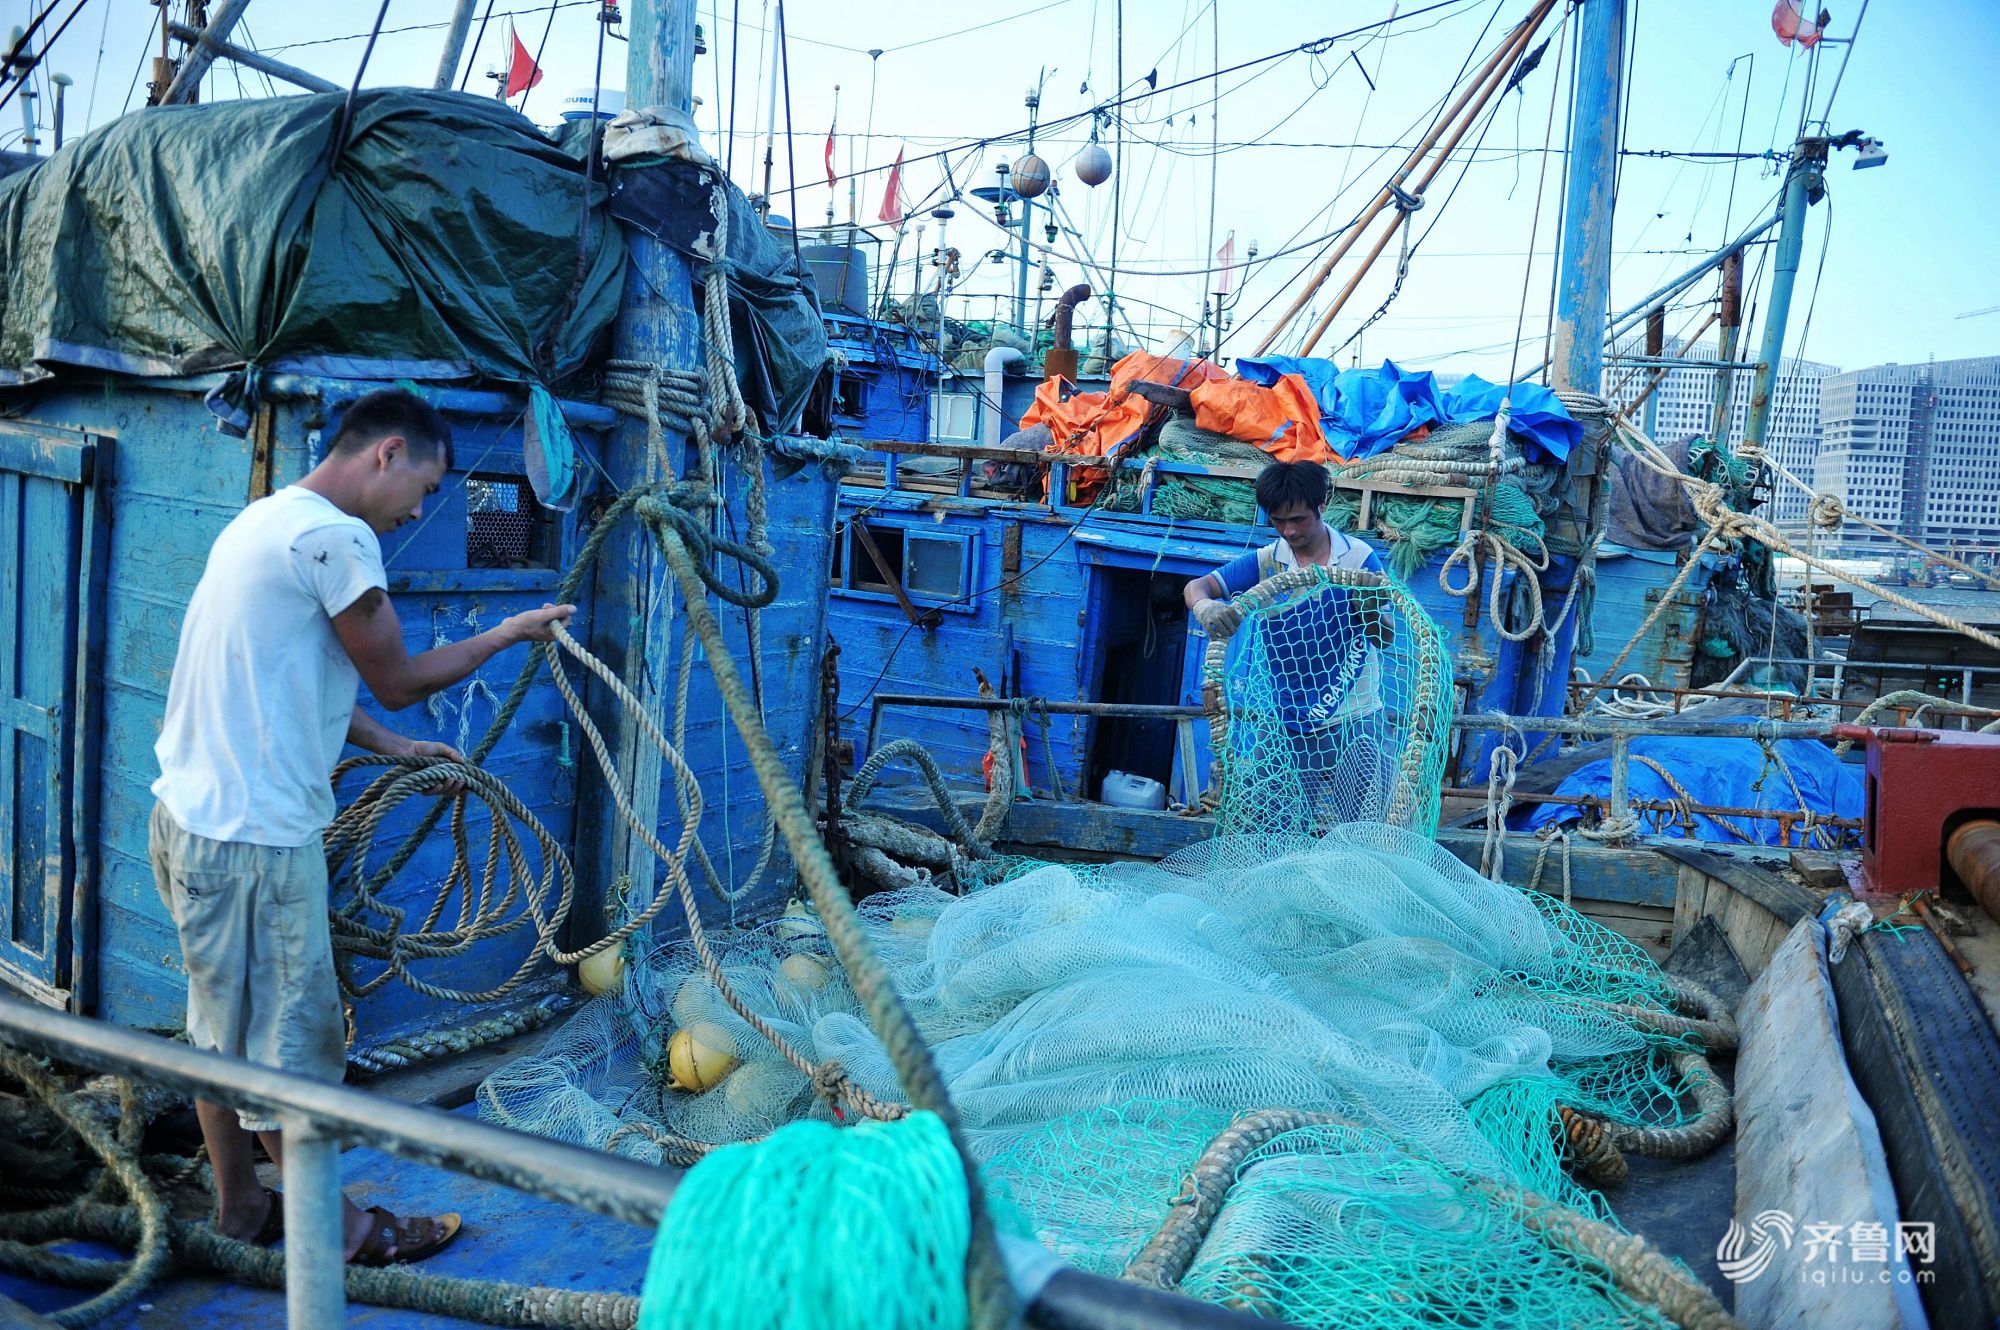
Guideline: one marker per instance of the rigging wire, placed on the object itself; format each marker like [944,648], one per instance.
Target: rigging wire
[540,47]
[1435,114]
[347,108]
[735,45]
[1317,45]
[477,42]
[97,71]
[34,61]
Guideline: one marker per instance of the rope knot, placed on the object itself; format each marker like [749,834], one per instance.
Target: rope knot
[1826,512]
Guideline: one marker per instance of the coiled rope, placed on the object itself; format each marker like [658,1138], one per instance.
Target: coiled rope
[1634,1264]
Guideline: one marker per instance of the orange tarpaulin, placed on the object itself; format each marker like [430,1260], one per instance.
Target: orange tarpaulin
[1093,423]
[1282,419]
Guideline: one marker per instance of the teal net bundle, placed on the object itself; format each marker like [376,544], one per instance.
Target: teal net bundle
[1100,1025]
[1175,495]
[1514,500]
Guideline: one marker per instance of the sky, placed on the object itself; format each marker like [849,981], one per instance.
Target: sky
[1277,151]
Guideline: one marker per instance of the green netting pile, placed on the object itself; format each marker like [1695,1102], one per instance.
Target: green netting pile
[1098,1025]
[1194,496]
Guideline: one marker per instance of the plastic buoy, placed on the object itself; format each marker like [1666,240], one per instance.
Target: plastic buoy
[1093,165]
[798,921]
[1031,177]
[803,970]
[602,972]
[699,1056]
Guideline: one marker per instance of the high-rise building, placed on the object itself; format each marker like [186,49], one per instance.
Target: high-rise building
[1915,448]
[1683,406]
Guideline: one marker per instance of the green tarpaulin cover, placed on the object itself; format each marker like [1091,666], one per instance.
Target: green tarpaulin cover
[441,242]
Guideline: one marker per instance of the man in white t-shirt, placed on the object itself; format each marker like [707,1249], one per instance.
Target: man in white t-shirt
[290,616]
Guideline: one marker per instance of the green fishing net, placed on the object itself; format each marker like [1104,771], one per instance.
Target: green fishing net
[1099,1024]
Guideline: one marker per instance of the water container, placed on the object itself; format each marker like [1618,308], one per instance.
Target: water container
[841,274]
[1122,789]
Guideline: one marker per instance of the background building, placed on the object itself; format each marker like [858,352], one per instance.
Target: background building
[1917,449]
[1683,406]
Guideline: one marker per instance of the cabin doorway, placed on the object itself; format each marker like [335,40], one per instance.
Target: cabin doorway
[1141,655]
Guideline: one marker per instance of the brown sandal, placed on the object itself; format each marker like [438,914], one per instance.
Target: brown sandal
[396,1241]
[273,1227]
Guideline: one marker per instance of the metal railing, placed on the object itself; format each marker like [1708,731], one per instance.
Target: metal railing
[320,1117]
[1833,674]
[1615,806]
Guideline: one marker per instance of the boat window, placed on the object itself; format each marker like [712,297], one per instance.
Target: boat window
[504,526]
[935,566]
[956,416]
[850,392]
[928,567]
[863,572]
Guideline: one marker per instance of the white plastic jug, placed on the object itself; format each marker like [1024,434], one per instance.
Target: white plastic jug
[1122,789]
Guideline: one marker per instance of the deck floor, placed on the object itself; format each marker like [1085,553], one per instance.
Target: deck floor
[508,1236]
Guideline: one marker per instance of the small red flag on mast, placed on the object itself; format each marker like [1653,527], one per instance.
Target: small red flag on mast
[522,73]
[892,197]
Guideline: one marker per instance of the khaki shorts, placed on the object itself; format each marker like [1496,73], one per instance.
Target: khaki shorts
[259,956]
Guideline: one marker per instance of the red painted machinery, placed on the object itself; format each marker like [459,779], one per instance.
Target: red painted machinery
[1933,811]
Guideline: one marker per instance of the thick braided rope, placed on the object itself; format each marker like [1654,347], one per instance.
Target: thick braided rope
[1588,1147]
[991,1298]
[121,1164]
[517,695]
[425,1045]
[482,915]
[1904,697]
[1725,523]
[1000,760]
[1827,512]
[1634,1264]
[1710,1121]
[1685,800]
[1699,1015]
[197,1246]
[871,770]
[675,860]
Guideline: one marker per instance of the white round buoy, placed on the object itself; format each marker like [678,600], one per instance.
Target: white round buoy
[602,972]
[699,1056]
[695,1000]
[805,971]
[1031,177]
[798,921]
[1093,165]
[914,925]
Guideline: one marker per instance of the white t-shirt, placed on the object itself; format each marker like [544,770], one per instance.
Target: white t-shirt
[263,691]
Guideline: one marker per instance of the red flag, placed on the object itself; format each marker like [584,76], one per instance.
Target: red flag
[1225,280]
[892,197]
[829,155]
[1788,20]
[523,73]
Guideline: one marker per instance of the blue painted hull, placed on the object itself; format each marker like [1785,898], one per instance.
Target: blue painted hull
[176,482]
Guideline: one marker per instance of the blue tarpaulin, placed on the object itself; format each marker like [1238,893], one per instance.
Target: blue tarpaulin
[1728,773]
[1365,411]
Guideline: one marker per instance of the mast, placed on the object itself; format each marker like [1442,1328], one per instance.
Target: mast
[658,324]
[1584,286]
[1803,186]
[454,46]
[1731,319]
[1027,226]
